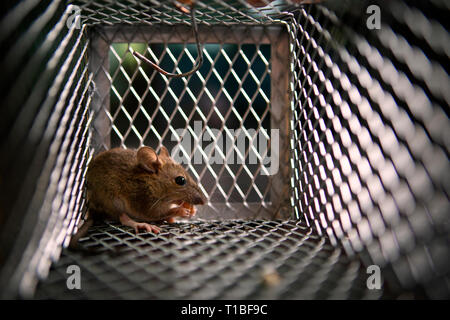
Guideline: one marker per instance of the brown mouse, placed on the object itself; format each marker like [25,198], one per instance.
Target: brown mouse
[139,186]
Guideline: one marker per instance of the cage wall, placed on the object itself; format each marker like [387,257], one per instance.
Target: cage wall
[369,132]
[45,119]
[218,122]
[363,149]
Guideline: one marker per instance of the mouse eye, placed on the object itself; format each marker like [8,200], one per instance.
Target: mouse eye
[180,180]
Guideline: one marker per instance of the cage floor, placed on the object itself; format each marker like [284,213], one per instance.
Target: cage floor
[238,259]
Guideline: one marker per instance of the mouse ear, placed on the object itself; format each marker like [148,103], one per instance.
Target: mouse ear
[164,154]
[148,159]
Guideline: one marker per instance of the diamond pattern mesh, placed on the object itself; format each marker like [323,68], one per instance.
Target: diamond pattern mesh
[46,92]
[371,158]
[232,90]
[363,120]
[165,12]
[211,260]
[223,112]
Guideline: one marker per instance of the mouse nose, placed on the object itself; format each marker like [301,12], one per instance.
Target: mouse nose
[198,200]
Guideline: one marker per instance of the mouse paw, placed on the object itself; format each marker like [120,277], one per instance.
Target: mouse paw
[137,226]
[180,212]
[192,209]
[146,227]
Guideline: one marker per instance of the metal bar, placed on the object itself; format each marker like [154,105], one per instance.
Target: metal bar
[99,66]
[280,117]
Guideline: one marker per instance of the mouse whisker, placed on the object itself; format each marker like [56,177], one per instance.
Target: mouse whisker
[155,203]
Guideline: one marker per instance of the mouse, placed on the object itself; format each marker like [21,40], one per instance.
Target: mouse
[137,187]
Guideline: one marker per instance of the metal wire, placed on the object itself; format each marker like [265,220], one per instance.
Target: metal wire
[366,167]
[45,147]
[366,107]
[211,260]
[199,52]
[217,12]
[232,93]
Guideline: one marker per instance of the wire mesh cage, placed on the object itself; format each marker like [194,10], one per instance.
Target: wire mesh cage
[205,119]
[317,130]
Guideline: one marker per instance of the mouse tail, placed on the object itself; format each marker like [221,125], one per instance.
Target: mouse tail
[75,246]
[82,231]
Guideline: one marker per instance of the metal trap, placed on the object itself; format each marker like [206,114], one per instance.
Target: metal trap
[318,135]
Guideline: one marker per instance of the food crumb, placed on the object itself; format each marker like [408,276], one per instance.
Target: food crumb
[271,277]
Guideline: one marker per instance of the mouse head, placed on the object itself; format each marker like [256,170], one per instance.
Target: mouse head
[179,183]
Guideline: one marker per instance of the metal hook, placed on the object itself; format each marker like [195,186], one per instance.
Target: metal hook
[199,53]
